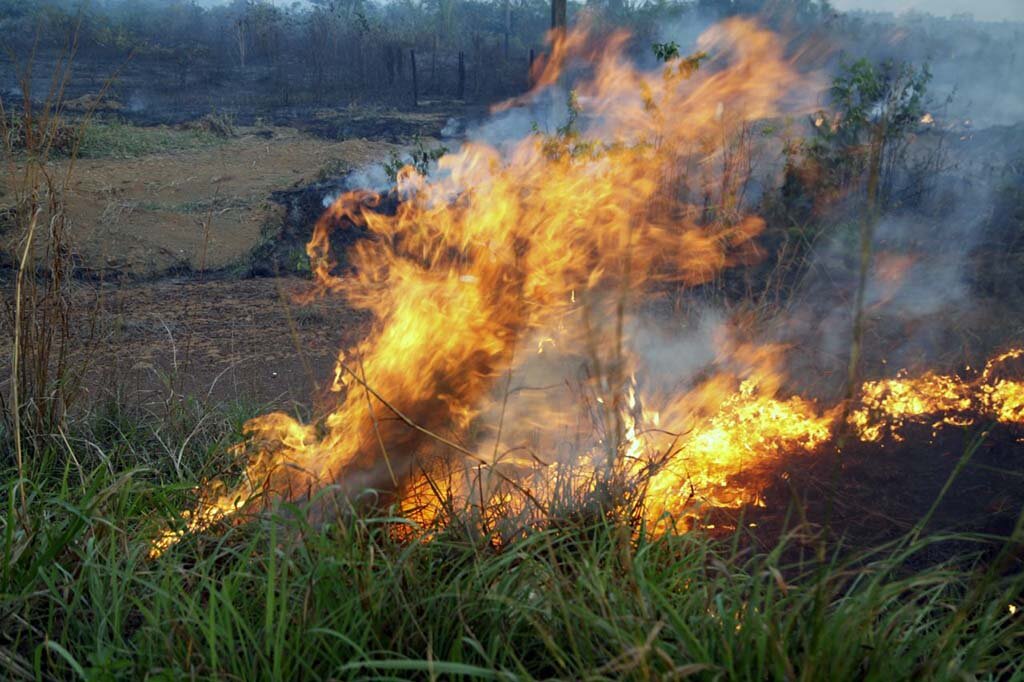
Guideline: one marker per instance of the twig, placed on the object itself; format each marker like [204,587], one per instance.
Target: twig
[15,358]
[441,439]
[376,426]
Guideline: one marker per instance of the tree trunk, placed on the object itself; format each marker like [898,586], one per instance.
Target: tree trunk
[415,84]
[559,15]
[508,25]
[462,75]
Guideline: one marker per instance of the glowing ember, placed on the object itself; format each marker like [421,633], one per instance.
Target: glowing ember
[886,405]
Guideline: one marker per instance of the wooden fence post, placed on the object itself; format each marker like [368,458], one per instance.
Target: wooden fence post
[462,75]
[559,15]
[415,83]
[508,25]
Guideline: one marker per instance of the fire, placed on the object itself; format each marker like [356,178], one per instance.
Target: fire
[898,400]
[1003,398]
[500,370]
[749,429]
[886,405]
[706,447]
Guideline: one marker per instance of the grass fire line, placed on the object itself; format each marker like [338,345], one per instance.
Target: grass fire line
[546,246]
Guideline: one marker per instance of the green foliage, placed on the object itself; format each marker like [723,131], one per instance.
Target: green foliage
[864,94]
[300,261]
[666,51]
[123,140]
[421,158]
[872,105]
[670,54]
[567,141]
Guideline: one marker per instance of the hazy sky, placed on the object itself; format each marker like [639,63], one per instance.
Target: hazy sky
[988,10]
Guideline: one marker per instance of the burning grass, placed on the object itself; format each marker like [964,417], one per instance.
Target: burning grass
[548,245]
[488,260]
[282,599]
[504,484]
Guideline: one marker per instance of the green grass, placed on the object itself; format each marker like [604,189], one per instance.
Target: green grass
[126,141]
[281,598]
[198,207]
[333,168]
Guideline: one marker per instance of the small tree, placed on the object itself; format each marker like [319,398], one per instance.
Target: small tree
[874,105]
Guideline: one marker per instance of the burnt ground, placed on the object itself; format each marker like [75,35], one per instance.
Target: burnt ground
[863,494]
[149,201]
[188,250]
[196,209]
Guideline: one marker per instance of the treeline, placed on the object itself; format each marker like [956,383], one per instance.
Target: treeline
[300,53]
[247,52]
[325,49]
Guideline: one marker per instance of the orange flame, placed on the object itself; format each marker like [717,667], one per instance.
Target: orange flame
[540,249]
[886,405]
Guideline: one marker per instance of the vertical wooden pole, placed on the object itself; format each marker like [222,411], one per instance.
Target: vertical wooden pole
[508,25]
[434,88]
[462,74]
[415,83]
[559,15]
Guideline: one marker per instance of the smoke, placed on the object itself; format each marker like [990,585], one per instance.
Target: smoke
[504,129]
[918,289]
[473,299]
[971,63]
[984,10]
[921,308]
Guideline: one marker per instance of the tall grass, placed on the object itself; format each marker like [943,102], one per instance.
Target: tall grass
[38,316]
[113,139]
[282,598]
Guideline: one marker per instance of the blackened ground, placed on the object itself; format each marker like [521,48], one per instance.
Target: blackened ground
[868,493]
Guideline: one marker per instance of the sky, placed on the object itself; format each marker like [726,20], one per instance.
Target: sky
[985,10]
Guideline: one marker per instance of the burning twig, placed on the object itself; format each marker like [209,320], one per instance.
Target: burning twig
[444,441]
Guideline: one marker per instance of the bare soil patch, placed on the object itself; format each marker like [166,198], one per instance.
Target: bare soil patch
[195,209]
[222,340]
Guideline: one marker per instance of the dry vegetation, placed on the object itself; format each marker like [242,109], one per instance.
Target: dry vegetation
[138,350]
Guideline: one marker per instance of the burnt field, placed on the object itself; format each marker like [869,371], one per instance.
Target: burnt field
[382,341]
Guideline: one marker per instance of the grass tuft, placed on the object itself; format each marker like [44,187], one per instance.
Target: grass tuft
[125,141]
